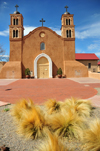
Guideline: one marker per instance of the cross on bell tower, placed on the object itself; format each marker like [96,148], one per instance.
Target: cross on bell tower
[16,7]
[42,21]
[66,7]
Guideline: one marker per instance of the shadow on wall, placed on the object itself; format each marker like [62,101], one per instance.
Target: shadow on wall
[55,69]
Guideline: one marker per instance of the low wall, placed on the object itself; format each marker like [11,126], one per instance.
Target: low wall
[94,75]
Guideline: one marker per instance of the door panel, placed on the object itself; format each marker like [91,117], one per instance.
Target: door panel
[43,71]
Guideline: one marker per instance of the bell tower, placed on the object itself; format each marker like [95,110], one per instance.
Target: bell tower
[67,29]
[16,35]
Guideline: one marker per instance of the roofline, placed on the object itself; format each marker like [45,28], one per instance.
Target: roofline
[42,28]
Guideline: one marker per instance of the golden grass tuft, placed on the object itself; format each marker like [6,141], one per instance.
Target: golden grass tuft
[51,143]
[17,109]
[52,106]
[67,124]
[81,107]
[33,123]
[92,136]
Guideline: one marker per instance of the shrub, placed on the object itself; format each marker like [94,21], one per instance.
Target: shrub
[79,106]
[17,109]
[52,106]
[59,71]
[92,136]
[51,143]
[27,71]
[33,124]
[67,124]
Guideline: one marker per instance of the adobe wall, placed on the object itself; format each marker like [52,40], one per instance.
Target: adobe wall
[93,64]
[94,75]
[11,70]
[69,49]
[16,50]
[75,69]
[1,64]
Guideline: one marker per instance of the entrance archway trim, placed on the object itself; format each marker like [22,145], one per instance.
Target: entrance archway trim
[50,64]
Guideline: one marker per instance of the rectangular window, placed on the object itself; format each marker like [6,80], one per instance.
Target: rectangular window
[89,65]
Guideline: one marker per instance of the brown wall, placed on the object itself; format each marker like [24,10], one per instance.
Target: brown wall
[11,70]
[93,64]
[75,69]
[15,50]
[1,65]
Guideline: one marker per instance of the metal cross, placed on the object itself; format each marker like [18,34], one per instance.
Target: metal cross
[16,7]
[42,21]
[66,7]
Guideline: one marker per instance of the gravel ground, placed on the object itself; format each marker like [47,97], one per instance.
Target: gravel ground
[11,139]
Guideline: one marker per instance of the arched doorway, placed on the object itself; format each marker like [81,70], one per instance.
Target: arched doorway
[43,66]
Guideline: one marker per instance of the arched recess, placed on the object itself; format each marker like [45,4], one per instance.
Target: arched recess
[50,64]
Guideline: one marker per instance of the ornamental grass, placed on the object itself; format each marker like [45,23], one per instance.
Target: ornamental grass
[67,124]
[51,143]
[17,109]
[52,106]
[81,107]
[92,136]
[33,123]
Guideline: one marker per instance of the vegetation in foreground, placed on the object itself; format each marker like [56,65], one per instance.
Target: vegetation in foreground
[58,120]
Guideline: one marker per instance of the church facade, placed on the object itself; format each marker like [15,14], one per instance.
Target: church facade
[43,51]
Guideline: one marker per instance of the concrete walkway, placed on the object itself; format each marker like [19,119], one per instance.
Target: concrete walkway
[40,90]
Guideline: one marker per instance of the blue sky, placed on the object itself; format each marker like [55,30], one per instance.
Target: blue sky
[86,20]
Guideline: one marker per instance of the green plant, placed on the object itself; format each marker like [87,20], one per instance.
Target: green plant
[27,71]
[59,71]
[6,109]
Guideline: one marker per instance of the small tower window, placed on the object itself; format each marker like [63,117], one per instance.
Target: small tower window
[13,21]
[13,33]
[16,33]
[68,33]
[42,46]
[67,21]
[16,21]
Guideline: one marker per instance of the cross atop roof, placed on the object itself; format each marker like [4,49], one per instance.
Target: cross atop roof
[66,7]
[16,7]
[42,21]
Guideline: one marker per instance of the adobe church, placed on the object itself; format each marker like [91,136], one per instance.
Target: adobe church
[43,51]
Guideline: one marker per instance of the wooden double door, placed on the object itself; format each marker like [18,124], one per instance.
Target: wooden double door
[43,68]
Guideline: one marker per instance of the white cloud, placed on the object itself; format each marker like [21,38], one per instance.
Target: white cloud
[6,56]
[79,51]
[5,3]
[88,31]
[4,33]
[95,45]
[28,29]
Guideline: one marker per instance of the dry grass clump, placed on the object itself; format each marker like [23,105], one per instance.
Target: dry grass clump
[17,109]
[92,136]
[52,106]
[51,143]
[33,123]
[81,107]
[67,124]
